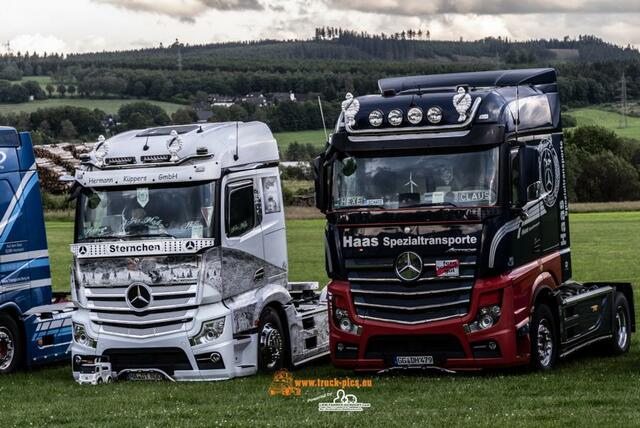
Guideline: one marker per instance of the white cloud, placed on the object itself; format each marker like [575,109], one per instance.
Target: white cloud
[431,7]
[37,43]
[185,10]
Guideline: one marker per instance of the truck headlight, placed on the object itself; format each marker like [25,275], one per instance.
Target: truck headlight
[488,316]
[210,331]
[341,317]
[81,337]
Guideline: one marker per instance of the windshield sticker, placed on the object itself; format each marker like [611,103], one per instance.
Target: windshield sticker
[270,191]
[472,196]
[348,201]
[437,197]
[207,213]
[142,196]
[197,231]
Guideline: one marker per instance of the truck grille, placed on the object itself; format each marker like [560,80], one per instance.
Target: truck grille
[172,308]
[378,294]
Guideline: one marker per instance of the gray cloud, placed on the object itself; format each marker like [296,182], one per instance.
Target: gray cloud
[486,7]
[186,10]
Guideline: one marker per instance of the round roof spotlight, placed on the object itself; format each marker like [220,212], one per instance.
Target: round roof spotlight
[414,115]
[434,114]
[375,118]
[395,117]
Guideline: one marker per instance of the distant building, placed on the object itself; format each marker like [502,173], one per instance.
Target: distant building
[203,111]
[256,99]
[281,97]
[309,96]
[221,100]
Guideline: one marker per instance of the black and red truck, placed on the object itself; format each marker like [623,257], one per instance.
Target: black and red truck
[447,238]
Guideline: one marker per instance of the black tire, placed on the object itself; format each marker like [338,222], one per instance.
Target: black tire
[272,342]
[621,341]
[544,339]
[11,345]
[99,381]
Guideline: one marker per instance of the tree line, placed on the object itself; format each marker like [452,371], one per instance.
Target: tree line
[68,123]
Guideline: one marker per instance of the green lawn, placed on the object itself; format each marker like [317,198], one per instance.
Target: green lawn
[608,119]
[108,106]
[589,389]
[303,137]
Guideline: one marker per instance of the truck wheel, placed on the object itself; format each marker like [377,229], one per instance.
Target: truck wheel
[272,346]
[11,345]
[621,341]
[543,339]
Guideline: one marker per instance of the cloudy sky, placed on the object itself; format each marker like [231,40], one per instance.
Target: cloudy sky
[95,25]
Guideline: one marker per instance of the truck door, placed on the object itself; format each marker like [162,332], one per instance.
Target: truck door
[15,278]
[243,266]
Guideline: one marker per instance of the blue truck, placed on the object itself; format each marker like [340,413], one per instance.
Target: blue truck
[35,323]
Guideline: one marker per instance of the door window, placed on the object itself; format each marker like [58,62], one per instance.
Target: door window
[241,212]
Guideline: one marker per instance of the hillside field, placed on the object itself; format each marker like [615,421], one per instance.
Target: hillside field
[588,389]
[110,106]
[608,119]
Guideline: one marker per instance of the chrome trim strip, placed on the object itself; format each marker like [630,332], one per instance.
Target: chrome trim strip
[583,296]
[392,321]
[416,293]
[587,343]
[425,279]
[394,130]
[412,308]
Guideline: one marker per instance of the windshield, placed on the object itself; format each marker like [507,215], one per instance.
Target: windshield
[451,179]
[181,211]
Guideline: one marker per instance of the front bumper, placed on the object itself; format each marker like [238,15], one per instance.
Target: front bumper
[505,344]
[171,354]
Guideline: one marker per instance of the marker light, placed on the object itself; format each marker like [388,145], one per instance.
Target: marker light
[395,117]
[434,114]
[375,118]
[415,115]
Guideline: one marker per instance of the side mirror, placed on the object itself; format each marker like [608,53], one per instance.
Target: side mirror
[319,178]
[534,191]
[349,166]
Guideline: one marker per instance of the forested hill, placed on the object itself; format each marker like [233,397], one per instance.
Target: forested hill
[338,44]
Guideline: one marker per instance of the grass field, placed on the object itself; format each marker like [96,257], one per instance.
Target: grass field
[589,389]
[608,119]
[108,106]
[303,137]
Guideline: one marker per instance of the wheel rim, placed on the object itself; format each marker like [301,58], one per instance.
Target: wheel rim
[545,343]
[621,327]
[270,345]
[7,348]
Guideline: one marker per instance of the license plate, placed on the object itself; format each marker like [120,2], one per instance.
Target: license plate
[447,268]
[422,360]
[145,376]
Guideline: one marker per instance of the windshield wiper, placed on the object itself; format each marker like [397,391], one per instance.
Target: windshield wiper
[102,238]
[431,204]
[152,235]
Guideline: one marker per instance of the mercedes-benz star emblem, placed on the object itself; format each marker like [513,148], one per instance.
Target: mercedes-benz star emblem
[190,245]
[408,266]
[139,297]
[82,250]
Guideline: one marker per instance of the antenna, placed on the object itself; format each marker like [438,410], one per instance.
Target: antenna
[236,156]
[517,109]
[324,125]
[623,99]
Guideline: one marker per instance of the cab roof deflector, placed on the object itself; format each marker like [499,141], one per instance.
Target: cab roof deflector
[497,78]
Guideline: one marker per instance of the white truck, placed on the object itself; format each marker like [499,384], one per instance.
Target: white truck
[180,258]
[97,373]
